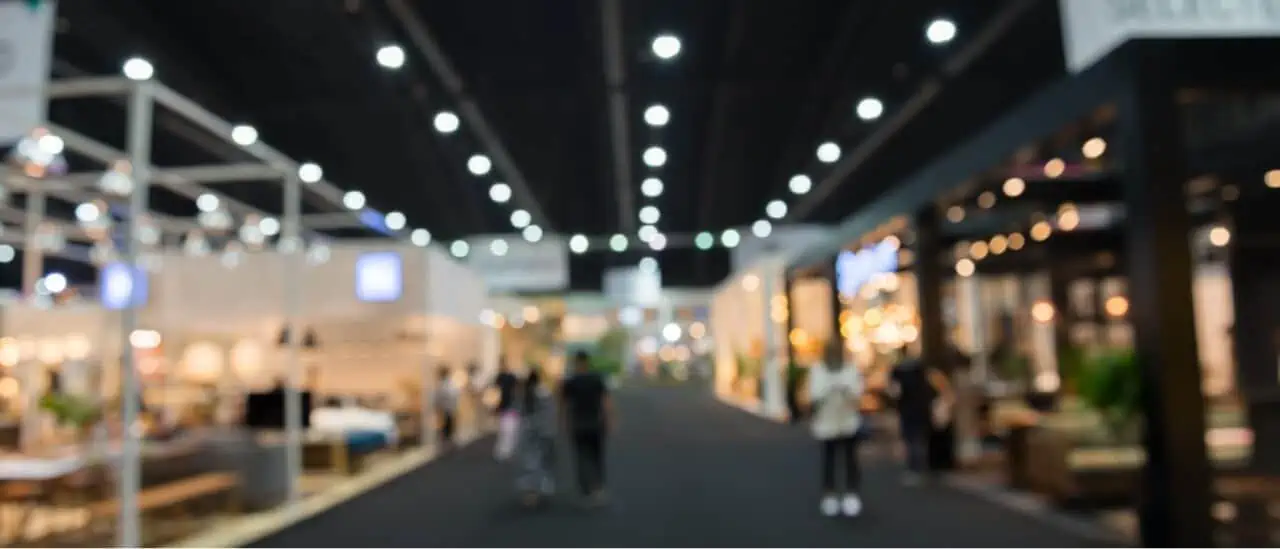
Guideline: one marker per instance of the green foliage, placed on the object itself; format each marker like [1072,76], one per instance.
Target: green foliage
[1013,367]
[1072,362]
[748,368]
[796,375]
[607,357]
[1111,384]
[70,410]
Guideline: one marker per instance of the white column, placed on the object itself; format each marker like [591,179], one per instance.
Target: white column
[139,148]
[32,252]
[430,378]
[771,375]
[291,281]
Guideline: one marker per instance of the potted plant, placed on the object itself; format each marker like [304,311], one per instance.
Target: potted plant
[76,412]
[748,375]
[1111,385]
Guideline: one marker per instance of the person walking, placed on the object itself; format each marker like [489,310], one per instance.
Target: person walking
[917,388]
[537,444]
[506,384]
[587,411]
[835,391]
[445,400]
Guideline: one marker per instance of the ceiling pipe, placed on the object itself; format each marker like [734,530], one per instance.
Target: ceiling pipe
[469,111]
[1002,23]
[615,73]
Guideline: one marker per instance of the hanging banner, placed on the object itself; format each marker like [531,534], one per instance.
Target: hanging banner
[633,286]
[1093,28]
[508,263]
[26,50]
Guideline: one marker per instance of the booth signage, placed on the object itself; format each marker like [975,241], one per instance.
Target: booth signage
[379,277]
[121,285]
[1093,28]
[525,266]
[853,269]
[26,47]
[633,286]
[783,240]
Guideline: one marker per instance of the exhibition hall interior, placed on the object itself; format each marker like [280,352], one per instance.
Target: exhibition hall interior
[314,273]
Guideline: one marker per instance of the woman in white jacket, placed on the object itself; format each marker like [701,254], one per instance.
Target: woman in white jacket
[835,393]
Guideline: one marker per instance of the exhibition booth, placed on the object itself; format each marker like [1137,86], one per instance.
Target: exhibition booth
[1095,271]
[254,374]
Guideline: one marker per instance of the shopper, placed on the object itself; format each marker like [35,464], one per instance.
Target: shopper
[508,416]
[587,412]
[445,400]
[536,480]
[917,388]
[835,391]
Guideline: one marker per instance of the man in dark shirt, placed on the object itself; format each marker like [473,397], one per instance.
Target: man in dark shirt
[587,412]
[506,383]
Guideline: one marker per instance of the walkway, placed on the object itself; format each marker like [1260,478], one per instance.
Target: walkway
[686,472]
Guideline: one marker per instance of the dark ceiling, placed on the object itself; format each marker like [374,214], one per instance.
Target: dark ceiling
[757,86]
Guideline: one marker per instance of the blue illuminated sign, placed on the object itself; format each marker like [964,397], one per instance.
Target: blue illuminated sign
[379,277]
[120,285]
[854,269]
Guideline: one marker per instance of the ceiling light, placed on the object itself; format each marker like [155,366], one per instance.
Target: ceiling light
[618,243]
[655,157]
[500,192]
[520,219]
[394,221]
[88,212]
[445,122]
[420,237]
[1014,187]
[704,241]
[762,228]
[658,242]
[1054,168]
[269,226]
[1094,148]
[479,164]
[940,31]
[138,69]
[869,109]
[207,202]
[498,247]
[828,152]
[244,135]
[646,232]
[776,209]
[666,46]
[651,187]
[532,233]
[1271,179]
[310,172]
[650,215]
[391,56]
[459,249]
[730,238]
[353,200]
[578,244]
[7,253]
[648,265]
[800,184]
[657,116]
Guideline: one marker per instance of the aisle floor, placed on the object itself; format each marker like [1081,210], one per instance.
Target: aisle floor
[686,471]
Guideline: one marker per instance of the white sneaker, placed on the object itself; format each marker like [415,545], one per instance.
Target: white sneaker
[851,506]
[830,506]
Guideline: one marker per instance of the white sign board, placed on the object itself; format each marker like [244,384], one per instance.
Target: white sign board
[508,263]
[26,47]
[783,240]
[1093,28]
[633,286]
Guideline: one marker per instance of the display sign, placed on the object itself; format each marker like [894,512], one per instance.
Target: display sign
[510,264]
[853,269]
[26,45]
[783,240]
[379,277]
[1093,28]
[121,285]
[633,286]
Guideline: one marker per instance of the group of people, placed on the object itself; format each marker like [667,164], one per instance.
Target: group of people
[530,412]
[923,401]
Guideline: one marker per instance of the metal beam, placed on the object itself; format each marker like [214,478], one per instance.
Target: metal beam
[426,44]
[996,28]
[615,73]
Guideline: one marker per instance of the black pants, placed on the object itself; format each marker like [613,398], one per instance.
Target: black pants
[588,453]
[447,427]
[833,451]
[915,433]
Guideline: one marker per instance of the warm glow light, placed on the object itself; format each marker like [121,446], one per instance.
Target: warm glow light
[1016,241]
[1219,236]
[750,282]
[1014,186]
[1116,306]
[955,214]
[965,267]
[1042,312]
[999,244]
[1041,231]
[1068,219]
[986,200]
[1094,148]
[1054,168]
[1272,179]
[145,339]
[978,249]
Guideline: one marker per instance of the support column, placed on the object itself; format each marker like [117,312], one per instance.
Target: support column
[1254,263]
[1175,499]
[933,337]
[291,231]
[32,251]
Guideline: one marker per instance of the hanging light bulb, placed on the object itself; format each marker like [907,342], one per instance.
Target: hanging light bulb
[149,233]
[102,253]
[94,218]
[39,154]
[216,220]
[251,232]
[118,179]
[289,245]
[195,243]
[232,254]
